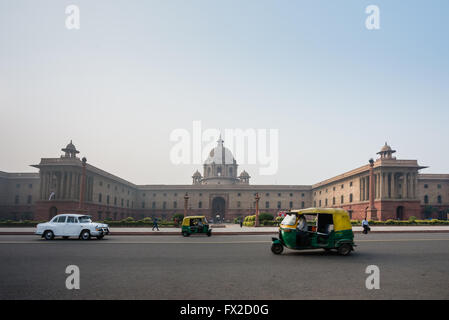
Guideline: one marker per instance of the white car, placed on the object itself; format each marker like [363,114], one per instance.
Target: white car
[72,225]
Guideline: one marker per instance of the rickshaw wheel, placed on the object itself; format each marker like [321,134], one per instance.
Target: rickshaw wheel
[209,233]
[185,234]
[345,249]
[277,248]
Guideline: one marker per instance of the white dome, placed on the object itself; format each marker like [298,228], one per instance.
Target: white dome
[220,155]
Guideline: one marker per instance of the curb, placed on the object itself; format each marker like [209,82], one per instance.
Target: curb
[220,233]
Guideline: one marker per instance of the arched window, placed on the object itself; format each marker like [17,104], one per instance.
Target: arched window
[350,197]
[200,204]
[426,199]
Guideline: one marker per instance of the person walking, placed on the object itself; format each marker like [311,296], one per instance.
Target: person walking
[155,224]
[241,222]
[365,226]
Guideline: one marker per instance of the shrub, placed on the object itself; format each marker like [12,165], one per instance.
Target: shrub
[266,216]
[412,218]
[178,216]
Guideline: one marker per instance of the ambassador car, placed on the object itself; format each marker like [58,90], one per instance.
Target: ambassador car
[72,225]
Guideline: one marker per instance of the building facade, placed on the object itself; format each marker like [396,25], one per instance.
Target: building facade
[399,191]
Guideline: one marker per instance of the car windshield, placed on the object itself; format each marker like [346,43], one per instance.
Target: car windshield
[84,219]
[289,220]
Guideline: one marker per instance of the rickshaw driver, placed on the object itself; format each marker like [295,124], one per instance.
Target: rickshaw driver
[302,235]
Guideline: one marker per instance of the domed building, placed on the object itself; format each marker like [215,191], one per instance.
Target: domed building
[385,188]
[220,168]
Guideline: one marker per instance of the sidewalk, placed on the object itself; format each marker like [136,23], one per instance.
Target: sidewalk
[234,229]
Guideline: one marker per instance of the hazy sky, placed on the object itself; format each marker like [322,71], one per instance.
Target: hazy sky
[137,70]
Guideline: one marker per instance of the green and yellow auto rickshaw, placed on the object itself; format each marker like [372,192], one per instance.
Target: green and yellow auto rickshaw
[315,228]
[195,224]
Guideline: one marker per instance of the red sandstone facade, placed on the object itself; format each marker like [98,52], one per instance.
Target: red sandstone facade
[386,188]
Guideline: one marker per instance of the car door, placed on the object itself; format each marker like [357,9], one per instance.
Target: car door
[58,229]
[72,226]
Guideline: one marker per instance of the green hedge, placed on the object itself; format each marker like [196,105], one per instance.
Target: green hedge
[410,222]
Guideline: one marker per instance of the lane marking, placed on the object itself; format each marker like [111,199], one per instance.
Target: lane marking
[212,242]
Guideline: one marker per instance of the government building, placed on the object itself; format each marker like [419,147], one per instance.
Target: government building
[385,188]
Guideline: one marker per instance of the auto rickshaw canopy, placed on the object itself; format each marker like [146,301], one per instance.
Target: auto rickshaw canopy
[186,220]
[340,217]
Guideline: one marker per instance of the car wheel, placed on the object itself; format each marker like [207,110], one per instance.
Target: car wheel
[49,235]
[345,249]
[85,235]
[100,237]
[277,248]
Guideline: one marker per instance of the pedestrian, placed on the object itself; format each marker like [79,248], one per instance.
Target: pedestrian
[155,224]
[365,226]
[241,222]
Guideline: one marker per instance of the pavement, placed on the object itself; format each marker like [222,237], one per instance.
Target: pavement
[412,266]
[235,229]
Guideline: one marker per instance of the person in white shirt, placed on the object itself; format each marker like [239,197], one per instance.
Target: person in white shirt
[365,226]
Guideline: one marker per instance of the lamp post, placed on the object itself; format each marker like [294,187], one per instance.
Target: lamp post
[83,185]
[186,203]
[372,211]
[257,198]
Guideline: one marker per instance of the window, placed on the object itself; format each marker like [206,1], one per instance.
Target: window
[291,194]
[164,205]
[426,186]
[107,199]
[143,204]
[267,194]
[342,186]
[325,202]
[175,204]
[279,194]
[29,199]
[200,204]
[302,195]
[100,183]
[314,203]
[302,204]
[279,205]
[350,184]
[333,201]
[153,205]
[61,219]
[319,203]
[238,204]
[30,186]
[290,204]
[16,200]
[99,197]
[350,197]
[342,199]
[426,199]
[127,203]
[439,186]
[267,204]
[333,188]
[122,202]
[439,199]
[70,219]
[115,201]
[17,186]
[239,194]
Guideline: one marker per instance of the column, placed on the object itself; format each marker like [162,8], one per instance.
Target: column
[393,185]
[404,185]
[381,185]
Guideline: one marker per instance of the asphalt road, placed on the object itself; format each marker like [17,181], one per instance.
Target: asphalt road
[412,266]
